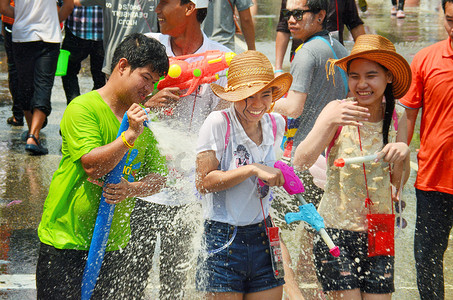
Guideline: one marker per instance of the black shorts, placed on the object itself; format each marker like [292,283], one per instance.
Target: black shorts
[59,274]
[353,269]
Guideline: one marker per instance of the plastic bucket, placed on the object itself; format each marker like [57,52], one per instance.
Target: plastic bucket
[62,65]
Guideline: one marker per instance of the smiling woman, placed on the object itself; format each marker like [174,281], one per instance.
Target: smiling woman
[363,126]
[235,149]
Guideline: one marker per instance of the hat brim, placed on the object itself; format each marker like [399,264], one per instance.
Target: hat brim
[280,86]
[395,63]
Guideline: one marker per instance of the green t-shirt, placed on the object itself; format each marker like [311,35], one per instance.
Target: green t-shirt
[70,209]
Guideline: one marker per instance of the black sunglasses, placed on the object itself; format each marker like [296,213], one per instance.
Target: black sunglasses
[297,13]
[400,222]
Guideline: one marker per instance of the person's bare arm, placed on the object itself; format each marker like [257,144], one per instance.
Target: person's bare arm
[248,28]
[357,31]
[165,98]
[398,153]
[281,44]
[292,106]
[65,10]
[100,161]
[335,114]
[209,179]
[149,185]
[411,119]
[6,9]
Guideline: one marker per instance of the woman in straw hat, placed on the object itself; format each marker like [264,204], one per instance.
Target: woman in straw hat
[367,124]
[235,150]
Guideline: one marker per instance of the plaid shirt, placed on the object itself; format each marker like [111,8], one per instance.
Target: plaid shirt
[86,22]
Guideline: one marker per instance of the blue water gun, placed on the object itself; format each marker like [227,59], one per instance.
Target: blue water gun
[102,225]
[307,211]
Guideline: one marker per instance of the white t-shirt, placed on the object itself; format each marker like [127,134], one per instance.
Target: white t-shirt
[36,20]
[239,205]
[187,118]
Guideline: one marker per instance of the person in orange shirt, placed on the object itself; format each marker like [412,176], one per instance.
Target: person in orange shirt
[432,90]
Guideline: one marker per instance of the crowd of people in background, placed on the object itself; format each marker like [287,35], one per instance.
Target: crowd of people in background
[337,104]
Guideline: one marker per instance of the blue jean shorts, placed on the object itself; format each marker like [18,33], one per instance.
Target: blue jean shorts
[353,269]
[244,266]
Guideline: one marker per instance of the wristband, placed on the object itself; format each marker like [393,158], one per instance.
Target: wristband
[278,71]
[125,142]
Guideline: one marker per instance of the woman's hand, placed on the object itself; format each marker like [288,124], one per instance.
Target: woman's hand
[342,113]
[114,193]
[269,175]
[394,152]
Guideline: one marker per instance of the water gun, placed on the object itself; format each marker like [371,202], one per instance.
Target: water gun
[189,76]
[341,162]
[102,226]
[307,211]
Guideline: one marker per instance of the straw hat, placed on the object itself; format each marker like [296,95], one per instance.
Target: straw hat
[379,49]
[249,73]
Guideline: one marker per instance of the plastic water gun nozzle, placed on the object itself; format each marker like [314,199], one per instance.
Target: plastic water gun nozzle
[341,162]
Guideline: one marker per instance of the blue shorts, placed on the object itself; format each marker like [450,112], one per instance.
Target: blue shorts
[353,269]
[244,266]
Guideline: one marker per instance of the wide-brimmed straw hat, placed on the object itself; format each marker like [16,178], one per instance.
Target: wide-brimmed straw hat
[379,49]
[249,73]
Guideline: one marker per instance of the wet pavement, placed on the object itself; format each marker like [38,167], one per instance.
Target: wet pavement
[24,179]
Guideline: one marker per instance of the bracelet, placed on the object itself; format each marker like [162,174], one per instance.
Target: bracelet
[278,71]
[125,142]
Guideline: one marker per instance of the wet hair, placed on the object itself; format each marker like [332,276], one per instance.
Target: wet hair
[445,2]
[142,51]
[389,105]
[316,6]
[201,12]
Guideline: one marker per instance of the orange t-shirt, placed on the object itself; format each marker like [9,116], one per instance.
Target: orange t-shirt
[432,90]
[6,19]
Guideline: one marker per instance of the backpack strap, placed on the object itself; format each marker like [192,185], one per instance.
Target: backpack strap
[395,119]
[342,72]
[274,126]
[227,135]
[332,142]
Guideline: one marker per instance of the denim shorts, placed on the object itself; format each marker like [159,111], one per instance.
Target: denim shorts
[353,269]
[244,266]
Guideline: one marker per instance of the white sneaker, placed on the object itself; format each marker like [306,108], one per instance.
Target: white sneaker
[393,10]
[400,14]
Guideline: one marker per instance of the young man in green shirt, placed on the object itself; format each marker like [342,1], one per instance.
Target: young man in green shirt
[91,150]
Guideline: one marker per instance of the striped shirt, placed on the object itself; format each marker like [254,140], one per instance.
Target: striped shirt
[86,22]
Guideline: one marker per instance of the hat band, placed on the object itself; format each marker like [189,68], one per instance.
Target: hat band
[248,84]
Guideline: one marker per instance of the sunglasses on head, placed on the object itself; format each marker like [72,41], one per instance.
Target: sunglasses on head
[400,221]
[298,14]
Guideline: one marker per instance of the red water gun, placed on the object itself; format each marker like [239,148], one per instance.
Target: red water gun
[189,76]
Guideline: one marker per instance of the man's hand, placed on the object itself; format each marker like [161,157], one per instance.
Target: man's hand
[115,193]
[164,98]
[136,116]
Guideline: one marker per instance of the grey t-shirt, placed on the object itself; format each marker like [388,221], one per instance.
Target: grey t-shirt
[219,22]
[121,18]
[309,76]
